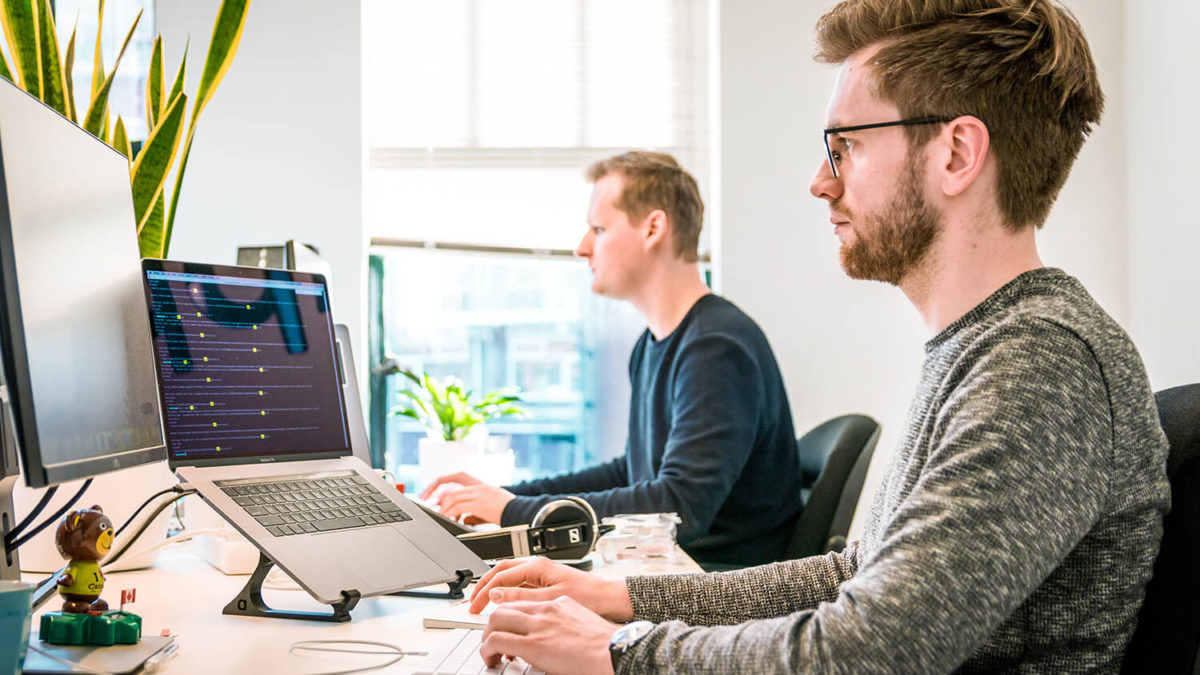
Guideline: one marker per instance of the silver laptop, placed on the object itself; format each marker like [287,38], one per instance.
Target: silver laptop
[256,422]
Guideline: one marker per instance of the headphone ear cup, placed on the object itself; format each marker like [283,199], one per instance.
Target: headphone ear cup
[569,509]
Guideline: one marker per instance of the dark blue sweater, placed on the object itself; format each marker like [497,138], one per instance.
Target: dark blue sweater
[710,438]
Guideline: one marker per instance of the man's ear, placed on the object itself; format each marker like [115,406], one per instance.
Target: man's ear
[965,143]
[657,231]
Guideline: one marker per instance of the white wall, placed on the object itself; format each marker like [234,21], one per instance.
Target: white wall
[1162,74]
[278,151]
[851,346]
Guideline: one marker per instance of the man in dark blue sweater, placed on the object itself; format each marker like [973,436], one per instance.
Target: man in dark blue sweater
[710,431]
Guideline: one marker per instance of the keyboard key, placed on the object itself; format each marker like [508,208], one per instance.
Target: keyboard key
[269,520]
[276,530]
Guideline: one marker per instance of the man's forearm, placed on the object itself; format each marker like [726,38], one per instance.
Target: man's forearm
[733,597]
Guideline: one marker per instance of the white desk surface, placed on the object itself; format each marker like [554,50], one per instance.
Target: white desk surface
[184,594]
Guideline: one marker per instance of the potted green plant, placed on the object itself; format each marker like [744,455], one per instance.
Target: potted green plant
[42,69]
[456,426]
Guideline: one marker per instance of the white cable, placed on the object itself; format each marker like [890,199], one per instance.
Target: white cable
[75,667]
[182,536]
[318,646]
[279,580]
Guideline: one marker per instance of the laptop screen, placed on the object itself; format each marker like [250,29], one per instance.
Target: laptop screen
[246,364]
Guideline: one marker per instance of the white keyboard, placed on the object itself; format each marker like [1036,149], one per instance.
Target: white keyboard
[458,654]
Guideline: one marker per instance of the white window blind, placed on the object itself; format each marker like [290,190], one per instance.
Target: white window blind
[480,115]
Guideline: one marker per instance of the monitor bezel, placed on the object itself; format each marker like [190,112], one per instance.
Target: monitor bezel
[159,265]
[14,353]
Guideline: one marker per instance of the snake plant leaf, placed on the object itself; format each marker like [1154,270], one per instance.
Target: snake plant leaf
[154,84]
[20,21]
[96,120]
[54,87]
[120,139]
[227,33]
[68,64]
[153,163]
[177,86]
[98,56]
[5,72]
[150,238]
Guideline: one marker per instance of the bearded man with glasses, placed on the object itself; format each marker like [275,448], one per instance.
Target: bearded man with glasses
[1020,516]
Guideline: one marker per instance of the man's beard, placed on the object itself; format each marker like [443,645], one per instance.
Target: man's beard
[891,243]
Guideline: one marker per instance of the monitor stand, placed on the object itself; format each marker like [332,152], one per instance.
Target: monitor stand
[10,568]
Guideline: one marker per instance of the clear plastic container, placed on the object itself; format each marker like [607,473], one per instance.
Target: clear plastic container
[639,536]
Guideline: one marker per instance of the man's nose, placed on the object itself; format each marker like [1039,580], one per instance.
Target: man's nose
[824,185]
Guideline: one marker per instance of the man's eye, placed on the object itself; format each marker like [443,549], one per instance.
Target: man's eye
[836,155]
[597,230]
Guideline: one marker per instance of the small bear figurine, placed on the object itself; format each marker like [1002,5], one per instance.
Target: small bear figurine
[84,537]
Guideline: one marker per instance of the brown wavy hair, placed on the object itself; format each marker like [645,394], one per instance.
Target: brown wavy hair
[1023,67]
[655,180]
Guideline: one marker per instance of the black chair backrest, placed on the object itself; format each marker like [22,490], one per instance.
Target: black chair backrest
[834,458]
[1167,638]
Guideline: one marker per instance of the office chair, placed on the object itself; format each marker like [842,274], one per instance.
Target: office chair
[834,458]
[1167,638]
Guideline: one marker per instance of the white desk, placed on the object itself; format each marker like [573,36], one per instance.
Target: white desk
[184,595]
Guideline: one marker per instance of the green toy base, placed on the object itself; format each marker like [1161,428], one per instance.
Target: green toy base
[109,628]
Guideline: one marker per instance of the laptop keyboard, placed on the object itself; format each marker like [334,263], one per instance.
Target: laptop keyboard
[458,654]
[288,505]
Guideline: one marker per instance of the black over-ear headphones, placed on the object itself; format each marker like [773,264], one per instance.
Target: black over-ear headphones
[565,528]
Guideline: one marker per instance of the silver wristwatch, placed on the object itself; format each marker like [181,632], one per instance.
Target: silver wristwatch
[625,637]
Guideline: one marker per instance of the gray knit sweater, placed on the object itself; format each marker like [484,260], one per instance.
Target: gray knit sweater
[1014,531]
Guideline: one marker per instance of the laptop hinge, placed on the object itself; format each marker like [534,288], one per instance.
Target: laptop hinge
[249,602]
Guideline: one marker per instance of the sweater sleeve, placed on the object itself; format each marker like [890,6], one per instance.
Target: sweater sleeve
[718,398]
[532,494]
[761,592]
[1016,476]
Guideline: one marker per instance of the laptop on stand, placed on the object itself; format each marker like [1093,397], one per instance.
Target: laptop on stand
[255,420]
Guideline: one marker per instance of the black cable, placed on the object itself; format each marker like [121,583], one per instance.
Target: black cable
[16,531]
[156,495]
[54,518]
[128,542]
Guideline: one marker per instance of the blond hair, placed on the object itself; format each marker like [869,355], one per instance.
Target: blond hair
[655,180]
[1023,67]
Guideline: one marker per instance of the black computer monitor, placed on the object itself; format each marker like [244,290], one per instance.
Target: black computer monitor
[77,360]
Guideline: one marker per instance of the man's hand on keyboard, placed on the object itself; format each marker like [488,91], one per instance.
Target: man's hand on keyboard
[558,636]
[461,495]
[541,579]
[475,503]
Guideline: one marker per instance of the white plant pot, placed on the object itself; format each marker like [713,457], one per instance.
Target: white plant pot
[437,457]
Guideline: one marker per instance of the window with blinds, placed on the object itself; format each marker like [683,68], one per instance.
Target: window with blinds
[481,115]
[480,118]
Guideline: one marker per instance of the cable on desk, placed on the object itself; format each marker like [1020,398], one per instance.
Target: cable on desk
[327,646]
[13,545]
[156,495]
[128,541]
[16,531]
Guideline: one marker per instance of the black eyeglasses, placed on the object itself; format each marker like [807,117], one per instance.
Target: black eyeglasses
[834,160]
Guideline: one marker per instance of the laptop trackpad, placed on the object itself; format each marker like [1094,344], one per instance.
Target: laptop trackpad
[393,559]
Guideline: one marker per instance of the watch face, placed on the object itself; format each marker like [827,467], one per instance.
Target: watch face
[628,635]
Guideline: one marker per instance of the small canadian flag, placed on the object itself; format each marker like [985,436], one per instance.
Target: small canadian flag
[128,595]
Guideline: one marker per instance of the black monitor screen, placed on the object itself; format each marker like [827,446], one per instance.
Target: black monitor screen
[76,342]
[247,364]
